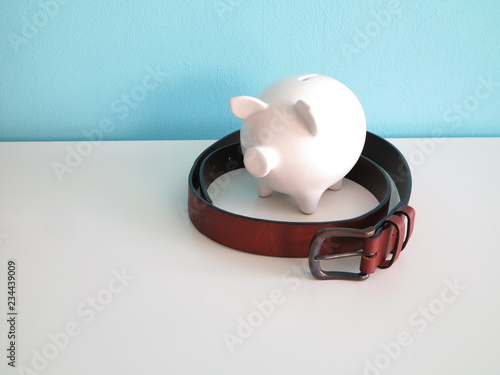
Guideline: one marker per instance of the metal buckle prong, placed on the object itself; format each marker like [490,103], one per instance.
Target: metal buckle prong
[315,257]
[343,255]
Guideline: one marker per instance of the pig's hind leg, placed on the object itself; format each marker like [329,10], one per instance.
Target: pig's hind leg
[337,185]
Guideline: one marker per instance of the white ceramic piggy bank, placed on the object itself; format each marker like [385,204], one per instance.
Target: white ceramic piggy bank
[300,136]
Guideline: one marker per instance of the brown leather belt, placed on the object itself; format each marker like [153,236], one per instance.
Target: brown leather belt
[377,237]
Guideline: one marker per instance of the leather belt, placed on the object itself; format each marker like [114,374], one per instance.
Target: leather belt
[377,237]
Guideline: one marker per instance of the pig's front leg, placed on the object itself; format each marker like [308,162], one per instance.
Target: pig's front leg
[262,189]
[308,202]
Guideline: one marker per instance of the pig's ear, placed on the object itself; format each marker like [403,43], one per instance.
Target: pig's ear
[244,106]
[304,111]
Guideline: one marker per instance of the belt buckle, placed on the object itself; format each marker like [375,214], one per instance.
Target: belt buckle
[315,257]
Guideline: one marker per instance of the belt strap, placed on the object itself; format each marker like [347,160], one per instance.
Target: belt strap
[377,236]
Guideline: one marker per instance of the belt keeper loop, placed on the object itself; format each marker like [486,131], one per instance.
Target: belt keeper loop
[397,229]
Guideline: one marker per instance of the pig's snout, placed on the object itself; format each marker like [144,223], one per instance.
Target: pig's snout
[260,160]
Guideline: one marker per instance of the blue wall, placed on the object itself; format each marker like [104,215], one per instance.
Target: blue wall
[123,69]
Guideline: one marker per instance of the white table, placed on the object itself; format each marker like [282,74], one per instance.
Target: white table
[112,278]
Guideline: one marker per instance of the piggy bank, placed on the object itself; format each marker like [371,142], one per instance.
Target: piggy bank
[300,136]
